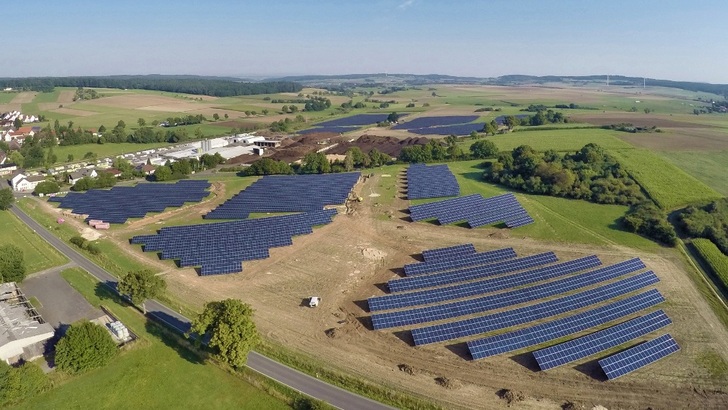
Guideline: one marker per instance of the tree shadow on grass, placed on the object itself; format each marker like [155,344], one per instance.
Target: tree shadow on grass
[173,341]
[105,291]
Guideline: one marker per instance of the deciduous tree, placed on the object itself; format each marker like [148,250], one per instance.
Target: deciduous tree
[84,346]
[12,264]
[140,286]
[6,199]
[230,326]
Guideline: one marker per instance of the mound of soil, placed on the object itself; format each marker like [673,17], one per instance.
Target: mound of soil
[447,383]
[388,145]
[406,368]
[511,396]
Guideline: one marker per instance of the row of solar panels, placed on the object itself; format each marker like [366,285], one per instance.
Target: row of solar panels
[287,193]
[461,262]
[118,204]
[432,181]
[221,247]
[475,210]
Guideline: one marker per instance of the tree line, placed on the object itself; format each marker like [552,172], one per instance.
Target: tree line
[709,221]
[174,84]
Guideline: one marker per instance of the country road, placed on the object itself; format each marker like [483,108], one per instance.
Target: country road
[281,373]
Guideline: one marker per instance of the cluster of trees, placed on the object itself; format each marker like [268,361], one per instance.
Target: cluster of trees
[20,383]
[12,264]
[435,151]
[85,346]
[186,120]
[176,84]
[6,199]
[287,124]
[267,166]
[350,104]
[709,221]
[85,244]
[36,151]
[541,107]
[184,167]
[317,163]
[47,187]
[289,109]
[589,174]
[103,180]
[647,219]
[317,104]
[85,94]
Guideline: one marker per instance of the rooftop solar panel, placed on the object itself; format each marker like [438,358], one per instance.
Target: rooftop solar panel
[638,356]
[600,341]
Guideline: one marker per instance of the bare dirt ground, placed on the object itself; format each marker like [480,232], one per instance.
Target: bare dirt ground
[24,97]
[344,261]
[66,96]
[148,102]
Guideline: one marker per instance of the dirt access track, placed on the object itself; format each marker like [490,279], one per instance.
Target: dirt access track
[344,262]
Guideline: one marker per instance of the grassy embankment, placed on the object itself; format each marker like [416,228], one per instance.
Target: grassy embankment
[38,254]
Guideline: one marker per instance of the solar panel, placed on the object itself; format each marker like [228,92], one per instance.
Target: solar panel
[470,273]
[431,182]
[450,252]
[548,331]
[463,290]
[502,320]
[496,301]
[600,341]
[451,263]
[638,356]
[475,210]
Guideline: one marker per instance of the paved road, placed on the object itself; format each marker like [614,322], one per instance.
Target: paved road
[283,374]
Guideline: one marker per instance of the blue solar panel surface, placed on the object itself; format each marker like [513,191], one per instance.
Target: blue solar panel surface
[475,210]
[118,204]
[638,356]
[463,290]
[432,181]
[502,320]
[462,261]
[496,301]
[546,332]
[600,341]
[288,193]
[450,252]
[470,273]
[221,247]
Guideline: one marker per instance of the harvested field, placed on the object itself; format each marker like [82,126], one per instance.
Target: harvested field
[66,96]
[23,97]
[148,102]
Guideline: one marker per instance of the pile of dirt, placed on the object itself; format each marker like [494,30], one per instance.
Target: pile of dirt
[406,368]
[447,383]
[333,333]
[387,145]
[510,396]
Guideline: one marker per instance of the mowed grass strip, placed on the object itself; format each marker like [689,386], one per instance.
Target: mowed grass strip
[562,140]
[38,254]
[707,166]
[669,186]
[155,372]
[717,261]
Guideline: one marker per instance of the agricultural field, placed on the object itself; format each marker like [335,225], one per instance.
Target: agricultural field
[38,254]
[155,372]
[708,167]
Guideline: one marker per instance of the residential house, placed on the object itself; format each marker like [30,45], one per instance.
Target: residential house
[113,171]
[25,131]
[73,177]
[17,176]
[7,168]
[29,183]
[146,169]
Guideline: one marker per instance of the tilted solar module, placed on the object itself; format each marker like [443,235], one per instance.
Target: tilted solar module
[502,320]
[449,252]
[548,331]
[470,273]
[600,341]
[638,356]
[463,290]
[496,301]
[444,264]
[475,210]
[431,182]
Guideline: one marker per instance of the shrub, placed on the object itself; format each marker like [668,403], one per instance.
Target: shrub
[20,383]
[84,346]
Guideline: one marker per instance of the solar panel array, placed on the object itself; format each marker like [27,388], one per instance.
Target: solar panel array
[638,356]
[120,203]
[475,210]
[463,290]
[496,301]
[470,273]
[432,181]
[451,252]
[600,341]
[502,320]
[288,193]
[453,262]
[221,247]
[546,332]
[580,293]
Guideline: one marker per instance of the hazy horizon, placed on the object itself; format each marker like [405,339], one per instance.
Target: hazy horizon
[468,38]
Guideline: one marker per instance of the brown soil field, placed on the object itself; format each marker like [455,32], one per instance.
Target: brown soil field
[66,96]
[24,97]
[681,139]
[74,112]
[344,262]
[148,102]
[387,145]
[9,107]
[637,119]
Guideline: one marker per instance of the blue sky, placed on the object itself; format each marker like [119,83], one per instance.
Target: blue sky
[666,39]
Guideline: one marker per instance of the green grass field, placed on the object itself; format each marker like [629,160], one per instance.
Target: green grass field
[6,97]
[717,261]
[669,186]
[707,166]
[563,140]
[155,372]
[101,150]
[38,254]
